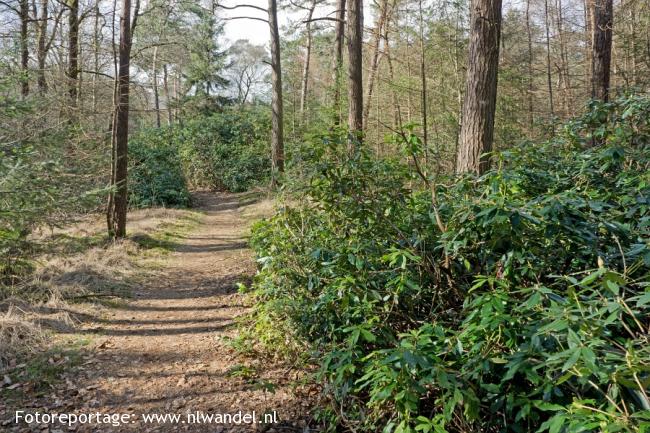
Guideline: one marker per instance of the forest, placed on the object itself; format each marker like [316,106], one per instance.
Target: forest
[396,216]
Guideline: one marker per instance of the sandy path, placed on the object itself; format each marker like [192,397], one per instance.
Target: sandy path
[162,352]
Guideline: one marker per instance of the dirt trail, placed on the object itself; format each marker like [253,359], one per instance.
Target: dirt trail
[163,351]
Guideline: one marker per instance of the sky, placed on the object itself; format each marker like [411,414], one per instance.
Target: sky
[255,31]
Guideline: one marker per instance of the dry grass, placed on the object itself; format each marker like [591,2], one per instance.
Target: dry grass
[77,264]
[19,336]
[256,205]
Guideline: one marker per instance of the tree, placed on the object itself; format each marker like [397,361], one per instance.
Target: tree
[477,128]
[337,67]
[277,136]
[44,42]
[355,68]
[116,212]
[246,69]
[380,28]
[73,51]
[24,47]
[305,69]
[549,78]
[207,60]
[601,49]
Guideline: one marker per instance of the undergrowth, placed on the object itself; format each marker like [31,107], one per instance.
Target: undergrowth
[517,301]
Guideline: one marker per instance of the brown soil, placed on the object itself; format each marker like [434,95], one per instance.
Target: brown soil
[166,349]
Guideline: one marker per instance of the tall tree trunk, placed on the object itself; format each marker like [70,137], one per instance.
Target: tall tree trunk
[73,52]
[633,38]
[41,52]
[602,49]
[564,60]
[355,69]
[376,57]
[549,81]
[305,69]
[121,127]
[397,112]
[423,80]
[24,47]
[458,81]
[167,94]
[589,38]
[339,35]
[111,124]
[409,77]
[156,97]
[530,68]
[95,54]
[477,129]
[277,136]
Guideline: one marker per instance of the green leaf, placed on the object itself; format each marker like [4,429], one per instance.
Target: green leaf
[571,361]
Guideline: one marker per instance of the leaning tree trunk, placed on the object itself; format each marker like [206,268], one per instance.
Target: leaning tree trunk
[601,49]
[277,138]
[355,68]
[24,47]
[117,228]
[477,129]
[338,59]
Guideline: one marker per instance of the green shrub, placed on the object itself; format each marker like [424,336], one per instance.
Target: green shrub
[224,151]
[155,174]
[227,151]
[525,308]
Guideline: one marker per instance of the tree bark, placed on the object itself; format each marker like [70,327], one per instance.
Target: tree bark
[339,35]
[121,127]
[601,49]
[355,70]
[277,136]
[73,52]
[24,47]
[477,129]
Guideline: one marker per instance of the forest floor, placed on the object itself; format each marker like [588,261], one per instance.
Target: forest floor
[165,349]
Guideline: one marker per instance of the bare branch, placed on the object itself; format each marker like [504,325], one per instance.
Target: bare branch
[323,19]
[136,14]
[243,6]
[246,18]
